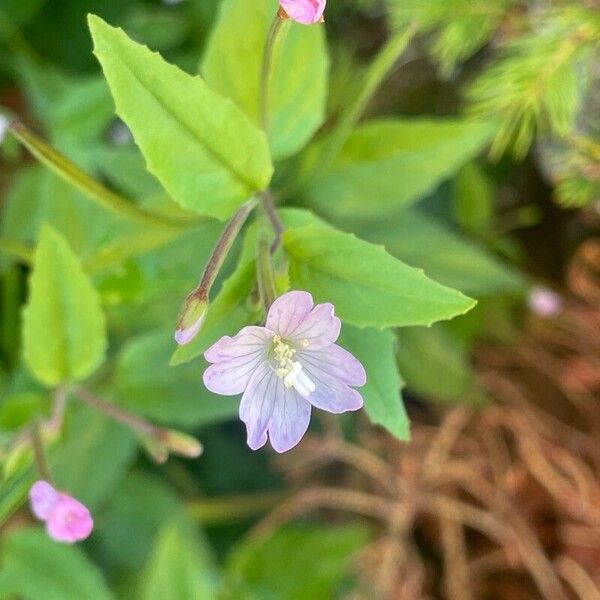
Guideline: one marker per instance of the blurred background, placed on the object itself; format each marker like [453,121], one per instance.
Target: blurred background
[497,494]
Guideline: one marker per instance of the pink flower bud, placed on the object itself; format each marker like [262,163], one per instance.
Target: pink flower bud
[306,12]
[3,127]
[191,319]
[67,520]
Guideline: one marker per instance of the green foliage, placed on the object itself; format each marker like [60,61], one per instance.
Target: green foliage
[377,352]
[232,64]
[60,571]
[539,79]
[393,163]
[459,27]
[146,385]
[367,286]
[176,570]
[63,324]
[203,149]
[294,564]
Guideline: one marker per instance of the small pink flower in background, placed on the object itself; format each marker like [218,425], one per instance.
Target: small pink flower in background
[306,12]
[67,520]
[285,368]
[544,302]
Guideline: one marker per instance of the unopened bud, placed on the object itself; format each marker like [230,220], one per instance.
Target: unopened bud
[181,443]
[191,319]
[3,127]
[305,12]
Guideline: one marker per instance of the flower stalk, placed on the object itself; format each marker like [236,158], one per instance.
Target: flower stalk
[195,306]
[39,453]
[265,75]
[265,273]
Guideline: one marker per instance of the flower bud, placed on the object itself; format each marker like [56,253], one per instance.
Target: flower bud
[306,12]
[182,443]
[191,318]
[3,127]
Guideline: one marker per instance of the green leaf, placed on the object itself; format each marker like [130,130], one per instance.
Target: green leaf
[295,563]
[63,325]
[93,457]
[474,199]
[376,351]
[452,259]
[177,569]
[227,313]
[206,153]
[298,83]
[128,527]
[367,286]
[436,364]
[37,568]
[147,385]
[391,163]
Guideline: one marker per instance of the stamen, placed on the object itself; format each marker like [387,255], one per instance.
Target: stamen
[289,370]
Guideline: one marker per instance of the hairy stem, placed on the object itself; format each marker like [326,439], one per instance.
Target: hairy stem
[276,222]
[265,274]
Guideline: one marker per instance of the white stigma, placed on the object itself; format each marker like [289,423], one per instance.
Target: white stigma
[289,370]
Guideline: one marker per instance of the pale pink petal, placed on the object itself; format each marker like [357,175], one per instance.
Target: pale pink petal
[235,360]
[70,521]
[331,394]
[306,12]
[290,418]
[257,404]
[248,340]
[43,498]
[319,329]
[337,362]
[288,312]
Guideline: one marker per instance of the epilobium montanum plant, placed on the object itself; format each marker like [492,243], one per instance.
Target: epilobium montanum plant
[294,226]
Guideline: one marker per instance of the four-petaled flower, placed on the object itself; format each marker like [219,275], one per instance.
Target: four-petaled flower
[67,520]
[306,12]
[285,367]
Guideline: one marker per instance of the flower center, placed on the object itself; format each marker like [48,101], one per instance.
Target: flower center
[290,370]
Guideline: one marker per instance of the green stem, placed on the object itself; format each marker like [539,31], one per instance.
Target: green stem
[265,273]
[219,254]
[276,222]
[118,414]
[39,453]
[17,250]
[377,72]
[94,190]
[265,74]
[233,508]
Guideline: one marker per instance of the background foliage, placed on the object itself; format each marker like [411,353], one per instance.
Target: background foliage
[423,153]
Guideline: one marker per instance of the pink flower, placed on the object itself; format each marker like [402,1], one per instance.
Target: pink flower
[67,520]
[285,368]
[306,12]
[544,302]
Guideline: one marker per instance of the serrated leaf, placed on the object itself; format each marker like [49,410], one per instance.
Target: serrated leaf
[204,150]
[368,287]
[376,350]
[232,65]
[64,330]
[37,568]
[454,260]
[391,163]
